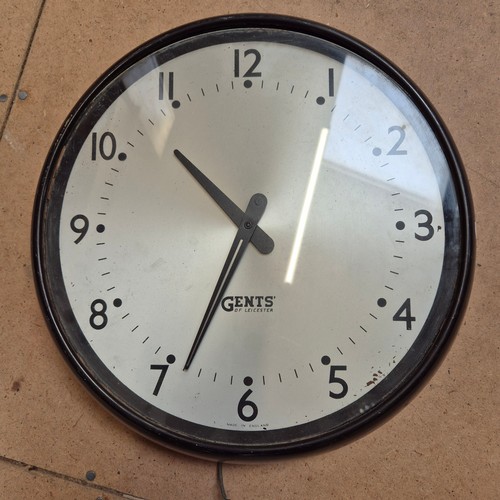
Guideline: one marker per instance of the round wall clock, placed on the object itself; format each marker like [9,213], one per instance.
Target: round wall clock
[253,237]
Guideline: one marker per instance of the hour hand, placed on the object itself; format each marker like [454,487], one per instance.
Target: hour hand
[260,239]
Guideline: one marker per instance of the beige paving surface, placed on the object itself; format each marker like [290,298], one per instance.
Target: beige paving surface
[17,21]
[444,444]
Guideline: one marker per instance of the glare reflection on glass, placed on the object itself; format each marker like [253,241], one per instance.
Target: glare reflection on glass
[306,206]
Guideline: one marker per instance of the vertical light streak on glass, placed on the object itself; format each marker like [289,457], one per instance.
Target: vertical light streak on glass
[306,206]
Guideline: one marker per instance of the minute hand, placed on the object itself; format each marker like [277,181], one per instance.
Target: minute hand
[247,228]
[260,239]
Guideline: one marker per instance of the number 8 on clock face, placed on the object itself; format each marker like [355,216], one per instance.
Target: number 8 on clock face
[253,237]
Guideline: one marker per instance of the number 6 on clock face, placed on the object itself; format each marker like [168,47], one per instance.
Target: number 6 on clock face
[253,237]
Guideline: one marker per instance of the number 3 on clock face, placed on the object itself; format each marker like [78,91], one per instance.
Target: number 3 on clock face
[253,238]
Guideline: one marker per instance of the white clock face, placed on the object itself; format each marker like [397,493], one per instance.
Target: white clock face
[311,332]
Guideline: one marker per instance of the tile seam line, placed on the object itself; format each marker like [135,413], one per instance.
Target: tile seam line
[23,66]
[33,468]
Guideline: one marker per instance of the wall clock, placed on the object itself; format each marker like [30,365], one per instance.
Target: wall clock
[253,237]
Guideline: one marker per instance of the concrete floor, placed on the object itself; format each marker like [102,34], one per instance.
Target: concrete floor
[444,444]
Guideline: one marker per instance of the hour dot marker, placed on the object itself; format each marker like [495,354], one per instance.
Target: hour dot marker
[376,151]
[117,302]
[122,156]
[400,225]
[248,381]
[320,100]
[100,228]
[326,360]
[176,104]
[171,359]
[381,302]
[247,83]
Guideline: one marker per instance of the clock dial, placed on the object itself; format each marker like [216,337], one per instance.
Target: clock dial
[253,237]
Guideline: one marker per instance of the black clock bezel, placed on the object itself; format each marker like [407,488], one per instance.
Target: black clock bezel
[212,443]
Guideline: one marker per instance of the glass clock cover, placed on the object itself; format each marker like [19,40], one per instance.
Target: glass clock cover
[253,237]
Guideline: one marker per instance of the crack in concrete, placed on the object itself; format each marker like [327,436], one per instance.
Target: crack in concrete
[21,71]
[82,482]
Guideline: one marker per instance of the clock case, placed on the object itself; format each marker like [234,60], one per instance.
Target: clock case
[408,376]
